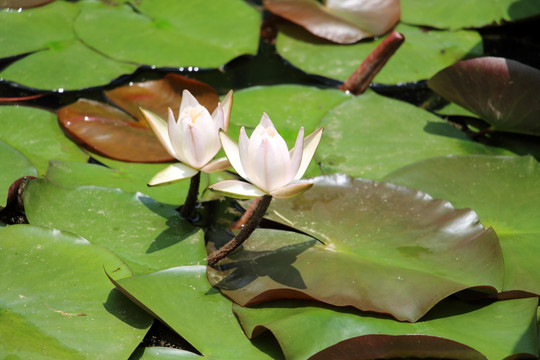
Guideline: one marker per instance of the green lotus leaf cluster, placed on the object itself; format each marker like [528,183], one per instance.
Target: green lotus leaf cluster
[419,237]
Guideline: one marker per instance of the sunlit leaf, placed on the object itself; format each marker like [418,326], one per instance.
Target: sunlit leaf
[147,235]
[340,22]
[386,248]
[196,311]
[451,14]
[113,133]
[13,166]
[127,178]
[423,53]
[172,33]
[504,191]
[164,353]
[502,92]
[57,302]
[371,135]
[452,330]
[36,135]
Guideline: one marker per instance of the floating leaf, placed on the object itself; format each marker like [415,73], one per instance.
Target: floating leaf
[147,235]
[450,14]
[18,4]
[172,33]
[89,43]
[113,133]
[57,302]
[504,191]
[196,311]
[35,134]
[371,135]
[386,248]
[423,53]
[502,92]
[452,330]
[340,22]
[13,166]
[71,174]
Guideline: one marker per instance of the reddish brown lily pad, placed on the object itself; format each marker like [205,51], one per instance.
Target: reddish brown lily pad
[501,91]
[387,249]
[337,21]
[115,134]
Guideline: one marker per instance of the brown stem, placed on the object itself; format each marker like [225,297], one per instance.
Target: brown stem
[247,215]
[360,79]
[242,236]
[191,199]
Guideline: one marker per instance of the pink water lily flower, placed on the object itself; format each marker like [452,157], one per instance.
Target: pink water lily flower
[266,162]
[193,138]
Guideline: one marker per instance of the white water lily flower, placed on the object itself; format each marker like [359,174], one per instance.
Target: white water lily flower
[193,138]
[265,161]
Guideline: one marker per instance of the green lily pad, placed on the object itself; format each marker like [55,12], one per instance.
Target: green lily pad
[65,67]
[452,330]
[147,235]
[423,53]
[371,135]
[289,107]
[72,40]
[451,14]
[386,248]
[35,134]
[504,191]
[172,33]
[19,29]
[72,174]
[13,166]
[57,302]
[500,91]
[196,311]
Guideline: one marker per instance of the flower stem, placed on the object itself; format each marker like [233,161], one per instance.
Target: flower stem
[360,79]
[191,199]
[242,236]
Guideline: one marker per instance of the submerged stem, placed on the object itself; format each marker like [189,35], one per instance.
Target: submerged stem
[242,236]
[191,199]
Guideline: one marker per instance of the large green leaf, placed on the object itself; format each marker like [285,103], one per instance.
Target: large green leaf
[452,330]
[423,54]
[147,235]
[164,353]
[65,66]
[289,107]
[56,301]
[19,28]
[371,135]
[196,311]
[504,191]
[172,33]
[35,134]
[73,40]
[13,166]
[454,14]
[72,174]
[386,248]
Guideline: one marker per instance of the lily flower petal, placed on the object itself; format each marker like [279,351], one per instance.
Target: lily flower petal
[310,145]
[188,100]
[237,189]
[266,163]
[173,173]
[291,190]
[231,150]
[225,108]
[216,165]
[159,126]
